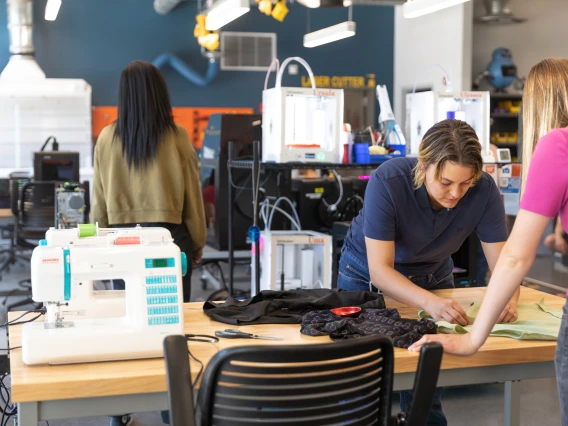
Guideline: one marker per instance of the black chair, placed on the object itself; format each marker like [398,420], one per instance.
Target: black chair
[313,385]
[14,251]
[34,216]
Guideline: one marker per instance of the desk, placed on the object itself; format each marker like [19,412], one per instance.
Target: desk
[114,388]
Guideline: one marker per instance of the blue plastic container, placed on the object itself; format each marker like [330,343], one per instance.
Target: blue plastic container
[361,153]
[399,150]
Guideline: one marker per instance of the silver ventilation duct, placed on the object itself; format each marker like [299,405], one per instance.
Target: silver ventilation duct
[499,12]
[22,64]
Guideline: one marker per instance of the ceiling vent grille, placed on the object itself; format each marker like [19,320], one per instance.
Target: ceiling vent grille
[247,51]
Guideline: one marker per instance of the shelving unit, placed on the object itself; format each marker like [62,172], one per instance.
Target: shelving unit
[255,165]
[505,122]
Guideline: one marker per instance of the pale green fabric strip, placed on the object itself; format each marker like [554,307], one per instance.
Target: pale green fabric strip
[537,321]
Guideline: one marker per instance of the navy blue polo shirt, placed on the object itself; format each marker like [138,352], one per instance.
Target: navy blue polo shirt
[424,237]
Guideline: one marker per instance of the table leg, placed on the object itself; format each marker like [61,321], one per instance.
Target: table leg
[512,403]
[28,414]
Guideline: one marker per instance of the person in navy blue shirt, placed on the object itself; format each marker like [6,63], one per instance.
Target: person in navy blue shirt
[416,213]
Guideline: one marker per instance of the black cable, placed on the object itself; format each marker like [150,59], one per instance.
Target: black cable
[47,141]
[22,322]
[200,369]
[10,349]
[40,310]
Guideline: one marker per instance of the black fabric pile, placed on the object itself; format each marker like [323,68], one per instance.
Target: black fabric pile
[288,307]
[404,332]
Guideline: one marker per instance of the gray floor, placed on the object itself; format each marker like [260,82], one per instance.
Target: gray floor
[464,406]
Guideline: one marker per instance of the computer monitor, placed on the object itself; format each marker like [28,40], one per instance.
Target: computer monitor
[56,166]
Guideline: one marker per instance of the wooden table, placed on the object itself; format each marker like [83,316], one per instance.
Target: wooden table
[114,388]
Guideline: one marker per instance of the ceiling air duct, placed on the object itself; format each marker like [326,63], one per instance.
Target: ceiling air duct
[499,12]
[22,64]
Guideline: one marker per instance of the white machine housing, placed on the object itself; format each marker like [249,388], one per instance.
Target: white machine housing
[424,109]
[33,110]
[301,124]
[303,256]
[87,300]
[152,272]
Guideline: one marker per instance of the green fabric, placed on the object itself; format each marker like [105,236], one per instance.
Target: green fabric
[537,321]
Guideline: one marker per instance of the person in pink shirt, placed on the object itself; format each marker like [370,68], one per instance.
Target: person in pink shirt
[544,195]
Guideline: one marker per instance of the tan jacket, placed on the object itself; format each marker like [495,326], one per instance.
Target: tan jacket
[168,190]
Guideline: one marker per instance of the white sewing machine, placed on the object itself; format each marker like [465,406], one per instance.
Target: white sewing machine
[88,301]
[152,271]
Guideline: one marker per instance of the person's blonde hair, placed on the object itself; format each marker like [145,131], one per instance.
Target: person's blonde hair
[545,105]
[449,140]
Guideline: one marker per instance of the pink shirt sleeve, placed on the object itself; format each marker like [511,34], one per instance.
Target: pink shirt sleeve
[547,183]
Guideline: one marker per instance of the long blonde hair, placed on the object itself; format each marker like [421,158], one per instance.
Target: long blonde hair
[545,104]
[449,140]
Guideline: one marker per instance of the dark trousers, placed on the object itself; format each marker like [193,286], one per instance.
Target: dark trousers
[354,275]
[182,239]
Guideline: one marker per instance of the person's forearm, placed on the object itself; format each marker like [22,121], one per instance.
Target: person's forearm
[558,229]
[515,298]
[395,285]
[505,280]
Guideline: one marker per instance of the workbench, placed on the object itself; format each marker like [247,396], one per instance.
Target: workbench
[115,388]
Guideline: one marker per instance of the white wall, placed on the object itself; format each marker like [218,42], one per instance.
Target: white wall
[543,35]
[444,38]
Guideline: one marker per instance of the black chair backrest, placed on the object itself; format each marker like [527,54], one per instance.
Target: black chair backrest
[37,205]
[180,393]
[347,382]
[15,193]
[4,193]
[313,385]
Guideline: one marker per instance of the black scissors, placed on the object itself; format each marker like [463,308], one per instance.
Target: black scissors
[237,334]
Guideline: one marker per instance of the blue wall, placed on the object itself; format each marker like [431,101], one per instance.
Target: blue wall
[96,39]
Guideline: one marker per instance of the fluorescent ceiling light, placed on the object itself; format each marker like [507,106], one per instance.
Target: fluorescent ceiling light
[416,8]
[329,34]
[312,4]
[52,9]
[224,11]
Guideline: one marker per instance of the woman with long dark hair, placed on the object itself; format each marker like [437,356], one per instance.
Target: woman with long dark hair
[146,170]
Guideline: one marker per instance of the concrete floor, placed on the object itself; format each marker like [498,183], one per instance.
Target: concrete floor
[464,406]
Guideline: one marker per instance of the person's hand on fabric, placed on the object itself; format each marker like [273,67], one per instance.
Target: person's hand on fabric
[196,261]
[447,310]
[509,314]
[458,344]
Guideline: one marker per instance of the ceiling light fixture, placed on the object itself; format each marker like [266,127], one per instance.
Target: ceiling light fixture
[330,34]
[224,11]
[416,8]
[52,9]
[312,4]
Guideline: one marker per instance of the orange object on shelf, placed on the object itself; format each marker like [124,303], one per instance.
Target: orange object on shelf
[194,119]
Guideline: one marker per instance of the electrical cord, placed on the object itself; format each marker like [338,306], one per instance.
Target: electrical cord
[333,207]
[15,321]
[200,363]
[267,222]
[293,210]
[8,410]
[200,369]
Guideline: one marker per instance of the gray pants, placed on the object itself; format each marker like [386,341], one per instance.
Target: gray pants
[561,363]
